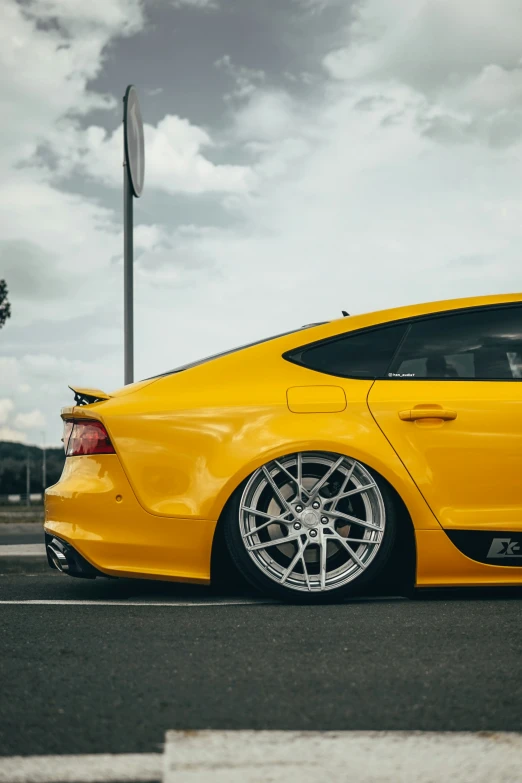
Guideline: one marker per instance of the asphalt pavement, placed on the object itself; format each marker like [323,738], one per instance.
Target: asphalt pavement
[115,664]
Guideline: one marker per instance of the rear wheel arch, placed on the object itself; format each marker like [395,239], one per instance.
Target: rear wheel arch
[392,476]
[398,576]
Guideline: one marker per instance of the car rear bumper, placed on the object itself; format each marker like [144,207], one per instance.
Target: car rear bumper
[64,558]
[94,509]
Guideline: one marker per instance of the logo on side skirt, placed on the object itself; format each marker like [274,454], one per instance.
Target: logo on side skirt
[504,547]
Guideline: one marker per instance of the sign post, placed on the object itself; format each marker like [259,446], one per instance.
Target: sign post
[133,177]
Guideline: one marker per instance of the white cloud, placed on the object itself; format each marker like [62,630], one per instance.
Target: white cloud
[56,247]
[6,408]
[317,6]
[268,115]
[148,237]
[47,91]
[12,426]
[53,242]
[14,436]
[201,4]
[63,243]
[246,80]
[119,16]
[32,420]
[49,69]
[465,62]
[174,159]
[429,43]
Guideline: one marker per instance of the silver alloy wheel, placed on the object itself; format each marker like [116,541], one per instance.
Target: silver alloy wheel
[312,521]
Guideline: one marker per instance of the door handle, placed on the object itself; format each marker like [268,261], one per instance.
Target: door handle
[428,412]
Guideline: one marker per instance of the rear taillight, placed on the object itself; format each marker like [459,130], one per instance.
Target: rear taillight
[85,437]
[67,429]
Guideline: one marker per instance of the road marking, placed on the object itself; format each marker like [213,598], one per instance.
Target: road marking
[290,756]
[195,602]
[124,602]
[362,756]
[33,550]
[109,768]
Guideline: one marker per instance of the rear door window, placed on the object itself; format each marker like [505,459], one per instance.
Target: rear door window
[474,345]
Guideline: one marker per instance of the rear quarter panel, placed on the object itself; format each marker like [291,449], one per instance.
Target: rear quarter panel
[188,440]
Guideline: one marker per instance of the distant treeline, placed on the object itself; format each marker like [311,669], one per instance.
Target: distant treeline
[13,461]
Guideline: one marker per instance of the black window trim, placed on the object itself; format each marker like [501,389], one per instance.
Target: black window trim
[293,355]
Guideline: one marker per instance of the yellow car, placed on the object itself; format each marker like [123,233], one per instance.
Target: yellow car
[319,461]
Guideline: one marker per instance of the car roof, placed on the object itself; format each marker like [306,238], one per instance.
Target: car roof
[381,317]
[443,305]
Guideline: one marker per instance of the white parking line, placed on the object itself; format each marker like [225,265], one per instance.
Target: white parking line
[106,768]
[123,602]
[290,757]
[195,602]
[362,756]
[12,550]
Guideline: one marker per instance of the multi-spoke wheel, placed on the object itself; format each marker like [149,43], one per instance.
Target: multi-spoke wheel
[311,523]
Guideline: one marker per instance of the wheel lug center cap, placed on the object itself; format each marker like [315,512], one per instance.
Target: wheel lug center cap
[310,518]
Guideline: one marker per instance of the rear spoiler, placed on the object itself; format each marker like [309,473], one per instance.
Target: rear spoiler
[87,396]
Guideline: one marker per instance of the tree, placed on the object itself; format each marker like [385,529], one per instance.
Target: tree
[5,307]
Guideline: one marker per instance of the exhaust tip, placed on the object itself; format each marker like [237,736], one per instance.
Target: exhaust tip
[62,556]
[57,556]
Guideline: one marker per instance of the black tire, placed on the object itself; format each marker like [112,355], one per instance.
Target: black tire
[365,581]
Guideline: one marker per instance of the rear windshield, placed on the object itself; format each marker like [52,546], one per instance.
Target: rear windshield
[234,350]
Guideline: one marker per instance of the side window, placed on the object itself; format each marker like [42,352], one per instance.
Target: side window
[364,354]
[480,345]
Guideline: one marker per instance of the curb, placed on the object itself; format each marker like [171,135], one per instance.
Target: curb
[23,559]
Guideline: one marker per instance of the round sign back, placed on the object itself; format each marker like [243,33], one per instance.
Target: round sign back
[134,140]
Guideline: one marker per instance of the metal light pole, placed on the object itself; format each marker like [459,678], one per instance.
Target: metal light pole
[44,466]
[133,176]
[128,275]
[28,480]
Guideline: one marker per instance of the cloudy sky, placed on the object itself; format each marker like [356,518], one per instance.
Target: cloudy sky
[302,157]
